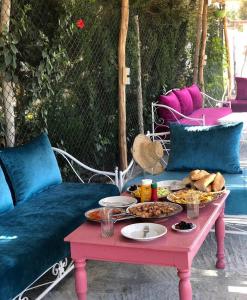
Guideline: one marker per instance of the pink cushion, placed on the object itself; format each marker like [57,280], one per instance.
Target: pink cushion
[196,96]
[185,100]
[241,88]
[239,105]
[172,101]
[211,115]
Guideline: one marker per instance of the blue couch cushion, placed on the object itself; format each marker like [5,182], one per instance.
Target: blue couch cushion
[31,167]
[6,202]
[236,203]
[212,148]
[33,232]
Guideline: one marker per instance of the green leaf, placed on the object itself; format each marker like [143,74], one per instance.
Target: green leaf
[13,48]
[7,57]
[14,62]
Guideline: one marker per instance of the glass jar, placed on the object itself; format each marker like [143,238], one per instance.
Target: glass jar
[146,190]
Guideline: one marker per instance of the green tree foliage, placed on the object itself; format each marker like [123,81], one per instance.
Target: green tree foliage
[216,56]
[66,78]
[243,10]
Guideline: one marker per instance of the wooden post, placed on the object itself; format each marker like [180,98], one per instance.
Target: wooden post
[122,83]
[139,79]
[228,57]
[7,86]
[203,44]
[198,40]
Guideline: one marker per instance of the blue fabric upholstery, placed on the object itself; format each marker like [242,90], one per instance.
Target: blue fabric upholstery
[212,148]
[31,167]
[6,202]
[34,231]
[236,203]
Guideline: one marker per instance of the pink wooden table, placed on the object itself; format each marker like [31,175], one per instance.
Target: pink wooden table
[174,249]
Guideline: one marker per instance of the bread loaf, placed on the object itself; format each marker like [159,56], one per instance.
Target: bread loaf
[195,175]
[187,181]
[219,182]
[203,183]
[209,188]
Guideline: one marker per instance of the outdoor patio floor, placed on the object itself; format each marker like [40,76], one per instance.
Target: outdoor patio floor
[113,281]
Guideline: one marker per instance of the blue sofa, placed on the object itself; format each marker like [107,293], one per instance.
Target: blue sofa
[33,226]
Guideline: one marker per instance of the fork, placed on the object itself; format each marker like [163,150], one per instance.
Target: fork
[145,231]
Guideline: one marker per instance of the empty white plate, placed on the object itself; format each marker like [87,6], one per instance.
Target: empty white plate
[171,184]
[183,230]
[136,231]
[117,201]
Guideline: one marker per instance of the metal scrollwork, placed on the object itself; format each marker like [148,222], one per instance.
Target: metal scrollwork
[21,297]
[59,268]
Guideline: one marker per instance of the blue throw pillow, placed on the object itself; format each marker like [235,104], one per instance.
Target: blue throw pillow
[31,168]
[6,202]
[212,148]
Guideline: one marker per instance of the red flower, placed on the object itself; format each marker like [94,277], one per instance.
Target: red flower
[80,23]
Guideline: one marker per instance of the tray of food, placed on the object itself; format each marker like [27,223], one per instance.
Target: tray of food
[154,210]
[165,187]
[161,192]
[186,196]
[95,215]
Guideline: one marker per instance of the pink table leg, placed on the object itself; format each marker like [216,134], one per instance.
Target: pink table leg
[220,235]
[81,279]
[185,290]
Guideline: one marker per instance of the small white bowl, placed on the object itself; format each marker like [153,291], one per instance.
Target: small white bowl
[136,231]
[183,230]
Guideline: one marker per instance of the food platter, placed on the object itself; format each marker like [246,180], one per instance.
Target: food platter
[186,196]
[145,211]
[94,214]
[154,210]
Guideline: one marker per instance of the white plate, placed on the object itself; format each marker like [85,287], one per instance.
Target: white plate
[117,201]
[183,230]
[171,184]
[136,231]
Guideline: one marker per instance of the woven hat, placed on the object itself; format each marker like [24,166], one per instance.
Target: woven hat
[148,154]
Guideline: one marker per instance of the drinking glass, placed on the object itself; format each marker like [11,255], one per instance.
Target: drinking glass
[107,222]
[193,206]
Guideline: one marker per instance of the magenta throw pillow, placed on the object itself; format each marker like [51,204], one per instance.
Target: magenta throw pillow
[185,101]
[172,101]
[196,96]
[241,88]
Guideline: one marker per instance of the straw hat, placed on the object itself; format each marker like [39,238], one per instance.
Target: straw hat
[148,154]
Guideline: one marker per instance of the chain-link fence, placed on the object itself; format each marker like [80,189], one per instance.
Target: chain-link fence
[59,69]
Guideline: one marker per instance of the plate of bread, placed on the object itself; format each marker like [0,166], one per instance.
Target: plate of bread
[204,181]
[206,186]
